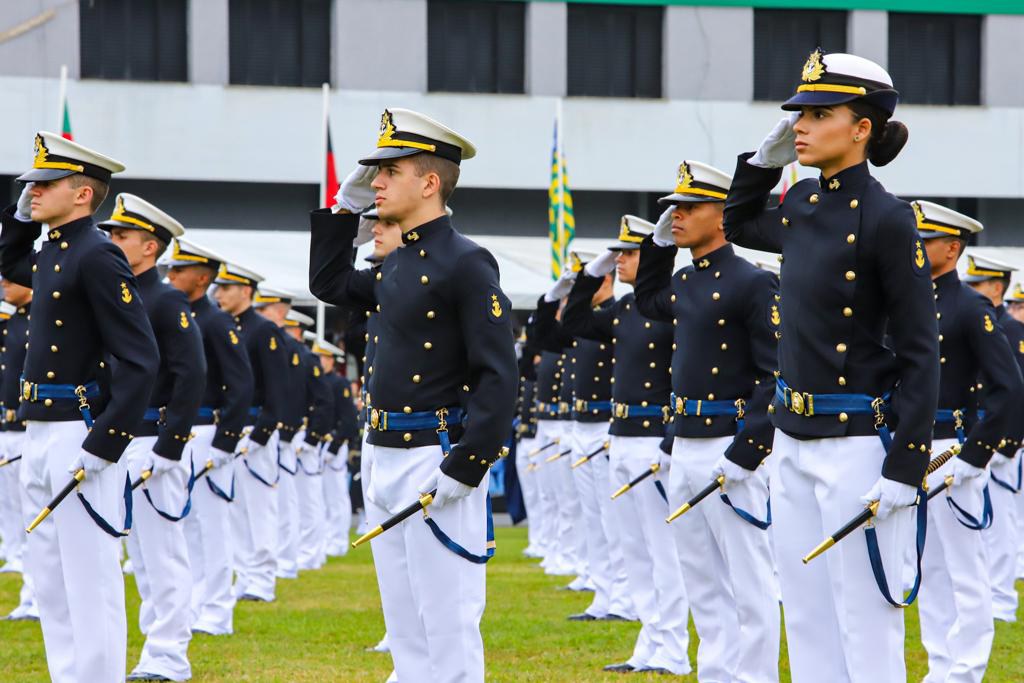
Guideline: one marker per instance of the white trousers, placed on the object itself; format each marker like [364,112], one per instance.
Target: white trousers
[159,555]
[74,563]
[567,532]
[337,502]
[433,599]
[620,601]
[309,490]
[254,520]
[727,568]
[528,487]
[209,538]
[650,557]
[1001,539]
[587,437]
[14,519]
[955,602]
[838,626]
[287,511]
[547,508]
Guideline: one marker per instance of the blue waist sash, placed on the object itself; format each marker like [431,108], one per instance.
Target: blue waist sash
[624,411]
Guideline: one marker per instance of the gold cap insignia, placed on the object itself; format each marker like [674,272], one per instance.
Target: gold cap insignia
[574,262]
[918,213]
[387,128]
[814,68]
[685,178]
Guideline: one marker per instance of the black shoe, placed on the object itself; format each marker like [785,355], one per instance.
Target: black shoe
[612,617]
[621,668]
[653,670]
[143,676]
[582,616]
[249,597]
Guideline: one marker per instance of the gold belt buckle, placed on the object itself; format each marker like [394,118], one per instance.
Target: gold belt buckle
[680,405]
[796,403]
[10,415]
[374,417]
[26,390]
[581,405]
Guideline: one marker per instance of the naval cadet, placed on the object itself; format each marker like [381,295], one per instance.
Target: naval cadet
[81,408]
[641,383]
[255,511]
[1014,307]
[18,301]
[955,603]
[442,386]
[158,550]
[726,314]
[991,278]
[217,430]
[853,270]
[526,410]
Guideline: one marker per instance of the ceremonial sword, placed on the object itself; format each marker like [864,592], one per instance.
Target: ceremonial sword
[146,474]
[872,508]
[8,461]
[588,456]
[701,495]
[556,456]
[68,488]
[536,451]
[636,480]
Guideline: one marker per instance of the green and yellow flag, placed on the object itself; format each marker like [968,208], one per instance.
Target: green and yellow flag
[561,223]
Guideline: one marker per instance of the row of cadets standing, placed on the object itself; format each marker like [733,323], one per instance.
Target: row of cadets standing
[641,382]
[15,313]
[526,431]
[1009,469]
[955,603]
[442,385]
[157,548]
[991,278]
[254,515]
[81,409]
[217,431]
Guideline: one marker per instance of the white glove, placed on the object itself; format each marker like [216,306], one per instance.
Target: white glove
[778,148]
[734,474]
[158,465]
[448,490]
[602,265]
[364,233]
[355,193]
[891,495]
[219,457]
[92,464]
[663,229]
[562,287]
[24,210]
[966,474]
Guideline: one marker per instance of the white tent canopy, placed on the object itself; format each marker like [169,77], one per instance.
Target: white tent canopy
[282,256]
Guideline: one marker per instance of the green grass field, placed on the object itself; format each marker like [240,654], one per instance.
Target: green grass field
[322,622]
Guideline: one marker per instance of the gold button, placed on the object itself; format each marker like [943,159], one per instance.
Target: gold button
[938,316]
[672,298]
[716,296]
[813,199]
[428,345]
[615,321]
[725,347]
[647,423]
[379,276]
[674,346]
[64,245]
[785,221]
[841,347]
[711,397]
[430,315]
[424,279]
[684,277]
[34,267]
[407,437]
[851,276]
[842,381]
[48,402]
[647,385]
[851,238]
[416,379]
[847,312]
[58,323]
[718,274]
[112,431]
[714,371]
[854,203]
[407,410]
[653,365]
[54,348]
[650,345]
[843,417]
[942,360]
[56,268]
[721,322]
[51,374]
[423,254]
[707,421]
[56,295]
[647,325]
[941,338]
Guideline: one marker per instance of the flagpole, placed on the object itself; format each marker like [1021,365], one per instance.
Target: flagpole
[561,186]
[63,96]
[326,89]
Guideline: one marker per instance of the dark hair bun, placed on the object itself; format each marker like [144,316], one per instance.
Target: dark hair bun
[885,147]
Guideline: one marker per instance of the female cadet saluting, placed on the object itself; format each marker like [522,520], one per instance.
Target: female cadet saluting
[854,271]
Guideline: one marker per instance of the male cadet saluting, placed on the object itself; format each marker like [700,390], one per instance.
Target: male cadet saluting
[725,314]
[991,278]
[217,428]
[254,514]
[158,549]
[12,360]
[641,385]
[80,410]
[442,386]
[955,600]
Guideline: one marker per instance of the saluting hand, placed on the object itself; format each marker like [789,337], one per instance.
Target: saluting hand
[24,210]
[602,265]
[562,286]
[778,148]
[663,229]
[355,193]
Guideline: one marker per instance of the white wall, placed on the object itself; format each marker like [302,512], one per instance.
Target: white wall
[239,133]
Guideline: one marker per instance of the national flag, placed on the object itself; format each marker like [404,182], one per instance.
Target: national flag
[331,184]
[788,183]
[65,120]
[561,223]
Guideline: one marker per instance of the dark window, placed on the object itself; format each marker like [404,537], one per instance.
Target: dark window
[280,42]
[782,41]
[133,40]
[615,50]
[936,58]
[475,46]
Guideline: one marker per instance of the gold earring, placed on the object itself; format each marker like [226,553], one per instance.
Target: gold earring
[856,138]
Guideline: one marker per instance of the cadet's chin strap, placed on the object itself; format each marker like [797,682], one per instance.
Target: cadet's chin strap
[188,502]
[870,536]
[442,537]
